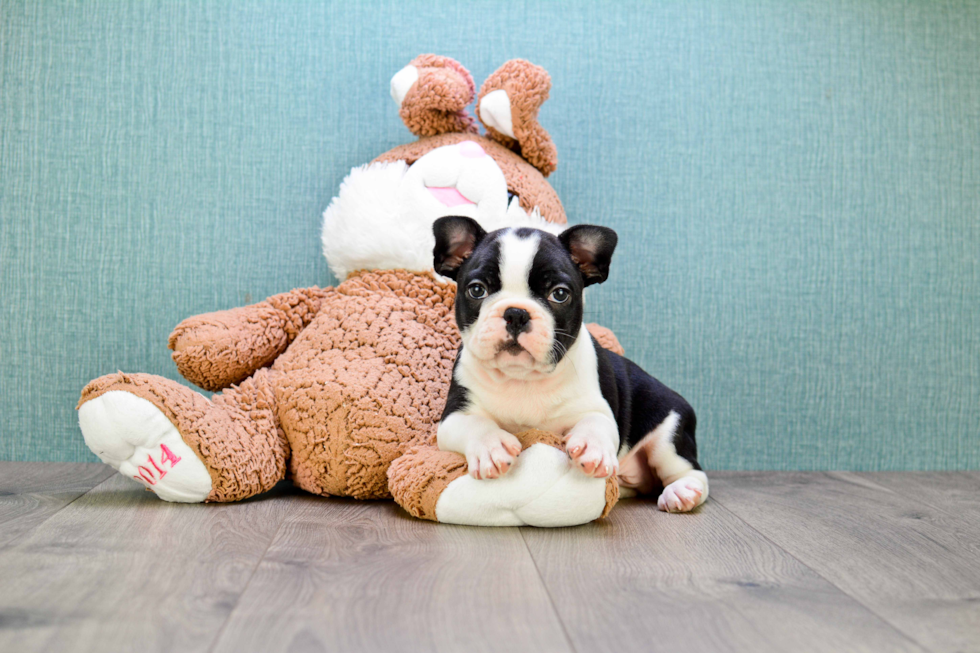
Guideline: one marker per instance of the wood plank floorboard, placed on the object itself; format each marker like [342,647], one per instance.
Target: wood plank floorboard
[773,562]
[916,566]
[353,576]
[120,570]
[644,580]
[957,493]
[31,492]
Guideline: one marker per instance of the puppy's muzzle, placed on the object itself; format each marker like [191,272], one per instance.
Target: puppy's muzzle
[518,321]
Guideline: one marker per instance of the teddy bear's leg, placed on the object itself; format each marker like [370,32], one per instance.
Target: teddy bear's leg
[418,478]
[179,444]
[508,107]
[542,489]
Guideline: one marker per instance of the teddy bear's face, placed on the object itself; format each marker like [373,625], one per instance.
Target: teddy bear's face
[382,217]
[524,183]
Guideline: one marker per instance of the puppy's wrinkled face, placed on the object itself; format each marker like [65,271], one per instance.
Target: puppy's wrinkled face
[519,298]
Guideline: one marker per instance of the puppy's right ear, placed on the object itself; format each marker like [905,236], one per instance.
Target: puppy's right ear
[591,249]
[456,238]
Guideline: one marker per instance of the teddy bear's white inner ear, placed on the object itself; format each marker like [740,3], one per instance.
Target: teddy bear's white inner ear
[495,112]
[402,82]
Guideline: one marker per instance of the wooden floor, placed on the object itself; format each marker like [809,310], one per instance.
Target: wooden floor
[773,562]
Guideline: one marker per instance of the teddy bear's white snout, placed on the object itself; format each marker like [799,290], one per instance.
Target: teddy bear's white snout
[382,218]
[459,179]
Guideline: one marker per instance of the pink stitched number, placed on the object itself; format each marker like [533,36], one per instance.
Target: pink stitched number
[166,456]
[160,471]
[146,474]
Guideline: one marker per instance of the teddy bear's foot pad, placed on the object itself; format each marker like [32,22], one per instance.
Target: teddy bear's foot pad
[542,489]
[136,438]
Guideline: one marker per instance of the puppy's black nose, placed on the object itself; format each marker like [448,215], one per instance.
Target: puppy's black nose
[518,321]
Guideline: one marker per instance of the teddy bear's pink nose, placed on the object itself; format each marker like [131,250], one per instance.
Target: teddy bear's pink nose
[471,150]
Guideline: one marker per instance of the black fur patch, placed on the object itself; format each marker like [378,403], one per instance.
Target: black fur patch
[458,397]
[482,266]
[553,266]
[640,402]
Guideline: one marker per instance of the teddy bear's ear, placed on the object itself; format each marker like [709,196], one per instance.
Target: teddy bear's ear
[432,93]
[508,107]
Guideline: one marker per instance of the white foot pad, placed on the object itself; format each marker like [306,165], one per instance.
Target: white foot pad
[684,494]
[543,488]
[133,436]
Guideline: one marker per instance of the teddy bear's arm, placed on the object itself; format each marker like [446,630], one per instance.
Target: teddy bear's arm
[606,338]
[216,350]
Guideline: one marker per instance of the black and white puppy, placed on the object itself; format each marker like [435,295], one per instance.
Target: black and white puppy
[527,361]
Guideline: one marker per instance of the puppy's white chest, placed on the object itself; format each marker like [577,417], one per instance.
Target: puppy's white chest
[554,402]
[519,406]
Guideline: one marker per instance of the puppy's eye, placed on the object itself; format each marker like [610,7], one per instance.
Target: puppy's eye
[476,290]
[559,295]
[510,196]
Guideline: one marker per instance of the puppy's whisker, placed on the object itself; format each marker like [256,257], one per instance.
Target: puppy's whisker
[562,350]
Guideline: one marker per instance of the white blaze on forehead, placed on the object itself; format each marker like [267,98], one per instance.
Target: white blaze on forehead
[516,257]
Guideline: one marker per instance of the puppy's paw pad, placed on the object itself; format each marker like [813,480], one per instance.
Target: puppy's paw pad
[683,495]
[133,436]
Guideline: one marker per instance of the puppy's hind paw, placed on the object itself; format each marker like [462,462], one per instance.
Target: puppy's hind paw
[683,495]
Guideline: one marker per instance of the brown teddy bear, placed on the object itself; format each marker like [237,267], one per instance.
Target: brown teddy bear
[329,386]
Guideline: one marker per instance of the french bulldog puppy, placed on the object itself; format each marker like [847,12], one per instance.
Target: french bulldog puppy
[527,361]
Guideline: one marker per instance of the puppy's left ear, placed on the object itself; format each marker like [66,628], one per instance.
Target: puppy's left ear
[591,248]
[456,238]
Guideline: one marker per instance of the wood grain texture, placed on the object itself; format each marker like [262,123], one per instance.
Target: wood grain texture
[957,493]
[118,569]
[773,562]
[913,564]
[648,581]
[31,492]
[351,576]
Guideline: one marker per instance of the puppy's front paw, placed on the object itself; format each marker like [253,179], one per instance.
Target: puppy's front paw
[683,495]
[492,455]
[591,452]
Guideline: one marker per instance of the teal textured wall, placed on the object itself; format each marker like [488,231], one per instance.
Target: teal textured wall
[796,186]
